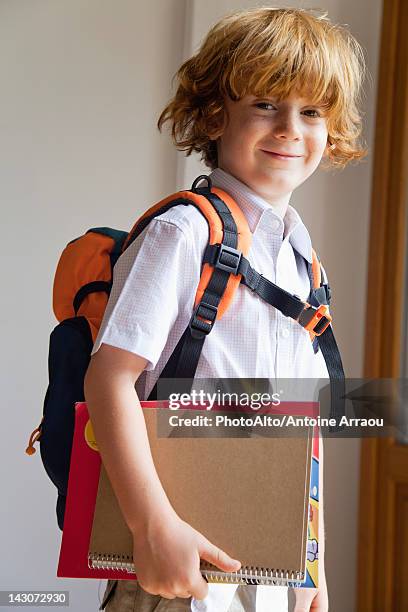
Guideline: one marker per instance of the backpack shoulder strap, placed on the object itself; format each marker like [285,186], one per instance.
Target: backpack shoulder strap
[320,293]
[228,228]
[230,236]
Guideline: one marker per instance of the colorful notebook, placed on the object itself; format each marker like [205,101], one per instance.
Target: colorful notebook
[97,543]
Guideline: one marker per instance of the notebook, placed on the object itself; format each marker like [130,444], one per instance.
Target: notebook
[250,495]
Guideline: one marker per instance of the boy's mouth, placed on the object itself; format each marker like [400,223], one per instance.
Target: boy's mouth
[281,155]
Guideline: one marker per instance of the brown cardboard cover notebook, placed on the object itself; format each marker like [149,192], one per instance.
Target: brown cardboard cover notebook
[247,495]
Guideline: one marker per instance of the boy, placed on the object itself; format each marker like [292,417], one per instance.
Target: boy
[268,95]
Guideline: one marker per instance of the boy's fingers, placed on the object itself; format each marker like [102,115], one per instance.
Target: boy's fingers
[199,589]
[218,557]
[167,595]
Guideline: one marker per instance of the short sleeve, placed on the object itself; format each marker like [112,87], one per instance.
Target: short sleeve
[153,281]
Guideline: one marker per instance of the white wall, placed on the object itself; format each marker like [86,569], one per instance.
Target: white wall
[83,84]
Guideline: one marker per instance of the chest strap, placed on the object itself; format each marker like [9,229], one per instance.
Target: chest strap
[313,318]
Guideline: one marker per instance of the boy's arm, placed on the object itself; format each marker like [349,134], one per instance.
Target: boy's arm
[120,431]
[167,550]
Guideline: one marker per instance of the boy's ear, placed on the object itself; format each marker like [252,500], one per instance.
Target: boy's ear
[218,130]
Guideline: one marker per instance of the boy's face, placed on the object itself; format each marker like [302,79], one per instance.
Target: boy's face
[259,129]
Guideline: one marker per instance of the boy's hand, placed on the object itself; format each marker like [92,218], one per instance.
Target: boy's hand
[313,600]
[167,554]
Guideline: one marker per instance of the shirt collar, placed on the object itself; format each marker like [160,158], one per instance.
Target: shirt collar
[257,210]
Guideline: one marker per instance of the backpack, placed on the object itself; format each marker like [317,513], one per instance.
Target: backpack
[82,285]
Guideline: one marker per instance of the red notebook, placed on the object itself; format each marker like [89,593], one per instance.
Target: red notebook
[78,518]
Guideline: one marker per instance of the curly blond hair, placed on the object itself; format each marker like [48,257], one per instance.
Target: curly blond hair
[269,52]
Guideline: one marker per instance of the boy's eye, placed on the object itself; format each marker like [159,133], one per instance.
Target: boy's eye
[314,112]
[263,104]
[260,104]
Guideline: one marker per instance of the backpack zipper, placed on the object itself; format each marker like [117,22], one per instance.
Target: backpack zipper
[34,437]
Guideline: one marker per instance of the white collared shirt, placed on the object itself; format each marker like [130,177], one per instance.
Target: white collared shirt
[152,298]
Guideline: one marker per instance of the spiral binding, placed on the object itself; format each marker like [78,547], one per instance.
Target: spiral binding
[112,562]
[248,574]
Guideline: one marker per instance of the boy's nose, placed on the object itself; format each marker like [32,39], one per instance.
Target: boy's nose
[287,128]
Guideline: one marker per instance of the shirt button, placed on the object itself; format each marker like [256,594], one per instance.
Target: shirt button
[285,332]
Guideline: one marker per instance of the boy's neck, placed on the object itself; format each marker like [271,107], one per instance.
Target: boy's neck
[279,204]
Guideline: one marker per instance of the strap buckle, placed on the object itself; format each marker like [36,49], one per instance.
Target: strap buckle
[228,259]
[315,320]
[202,320]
